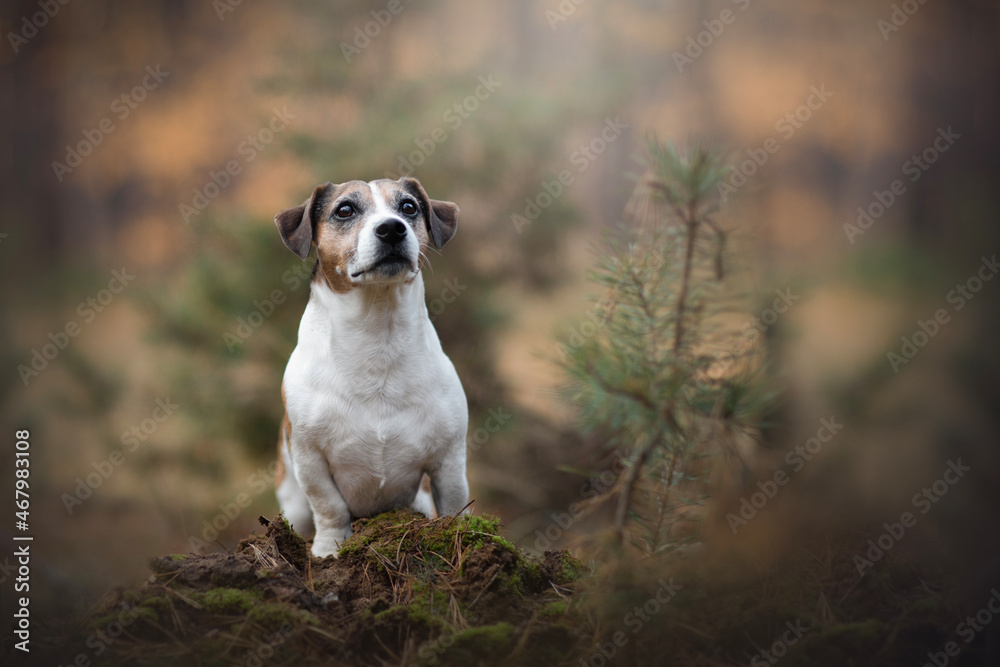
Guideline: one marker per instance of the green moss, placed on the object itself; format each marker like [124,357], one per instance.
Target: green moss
[355,544]
[414,616]
[429,600]
[527,578]
[572,569]
[485,639]
[506,544]
[391,612]
[554,609]
[482,523]
[227,601]
[158,604]
[275,615]
[178,556]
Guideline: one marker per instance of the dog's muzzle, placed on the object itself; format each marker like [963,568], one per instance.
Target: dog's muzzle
[394,252]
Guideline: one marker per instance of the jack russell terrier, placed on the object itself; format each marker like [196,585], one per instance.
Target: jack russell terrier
[372,403]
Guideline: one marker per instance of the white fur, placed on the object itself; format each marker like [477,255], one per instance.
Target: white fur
[374,404]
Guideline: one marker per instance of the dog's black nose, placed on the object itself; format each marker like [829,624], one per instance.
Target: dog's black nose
[391,231]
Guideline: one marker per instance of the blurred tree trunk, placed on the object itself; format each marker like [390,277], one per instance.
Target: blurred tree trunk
[54,219]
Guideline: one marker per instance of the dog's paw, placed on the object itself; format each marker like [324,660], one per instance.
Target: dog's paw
[328,543]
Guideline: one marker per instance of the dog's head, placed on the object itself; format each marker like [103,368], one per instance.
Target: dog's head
[368,233]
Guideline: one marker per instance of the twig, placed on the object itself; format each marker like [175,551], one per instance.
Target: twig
[624,500]
[185,598]
[692,226]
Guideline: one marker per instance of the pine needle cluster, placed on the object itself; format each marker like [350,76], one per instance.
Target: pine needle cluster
[648,377]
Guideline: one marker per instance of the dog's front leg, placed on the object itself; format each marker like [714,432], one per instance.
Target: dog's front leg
[330,513]
[449,484]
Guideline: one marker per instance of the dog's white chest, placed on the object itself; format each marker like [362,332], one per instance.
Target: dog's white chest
[379,410]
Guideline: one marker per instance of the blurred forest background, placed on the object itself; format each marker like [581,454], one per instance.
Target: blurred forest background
[489,102]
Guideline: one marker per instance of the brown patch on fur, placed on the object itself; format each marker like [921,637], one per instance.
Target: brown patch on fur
[336,245]
[335,248]
[440,217]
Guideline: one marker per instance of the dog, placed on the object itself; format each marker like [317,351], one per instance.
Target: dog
[372,403]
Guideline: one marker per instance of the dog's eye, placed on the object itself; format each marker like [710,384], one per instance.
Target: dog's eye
[344,211]
[408,208]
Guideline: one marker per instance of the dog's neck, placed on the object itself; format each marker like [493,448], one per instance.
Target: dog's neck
[370,325]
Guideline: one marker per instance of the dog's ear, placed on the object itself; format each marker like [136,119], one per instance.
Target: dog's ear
[442,216]
[296,225]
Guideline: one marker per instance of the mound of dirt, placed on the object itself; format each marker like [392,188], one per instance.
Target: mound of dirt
[405,590]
